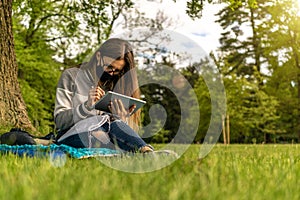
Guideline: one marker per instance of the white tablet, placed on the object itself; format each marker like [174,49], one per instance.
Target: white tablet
[103,103]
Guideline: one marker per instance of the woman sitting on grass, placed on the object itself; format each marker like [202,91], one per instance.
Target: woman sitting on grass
[111,67]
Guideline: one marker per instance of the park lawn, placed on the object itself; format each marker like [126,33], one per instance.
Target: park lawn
[228,172]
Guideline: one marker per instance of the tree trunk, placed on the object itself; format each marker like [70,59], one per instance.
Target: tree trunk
[224,130]
[228,129]
[12,106]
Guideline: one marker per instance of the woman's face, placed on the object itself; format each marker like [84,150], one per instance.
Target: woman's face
[113,67]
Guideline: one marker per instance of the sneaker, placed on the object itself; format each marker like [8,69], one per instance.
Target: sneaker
[146,149]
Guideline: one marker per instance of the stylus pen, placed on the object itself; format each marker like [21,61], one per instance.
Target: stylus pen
[103,86]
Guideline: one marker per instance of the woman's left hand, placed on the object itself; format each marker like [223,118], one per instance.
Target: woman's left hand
[117,108]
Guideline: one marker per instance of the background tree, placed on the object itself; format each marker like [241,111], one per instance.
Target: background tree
[211,100]
[282,48]
[203,95]
[194,8]
[159,94]
[53,35]
[241,60]
[44,32]
[241,41]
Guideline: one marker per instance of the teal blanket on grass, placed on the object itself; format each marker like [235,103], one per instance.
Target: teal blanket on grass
[56,150]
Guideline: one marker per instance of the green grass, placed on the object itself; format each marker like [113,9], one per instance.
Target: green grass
[228,172]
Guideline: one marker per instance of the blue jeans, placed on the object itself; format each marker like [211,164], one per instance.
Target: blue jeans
[120,135]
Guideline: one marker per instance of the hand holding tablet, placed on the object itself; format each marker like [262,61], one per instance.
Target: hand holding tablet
[103,103]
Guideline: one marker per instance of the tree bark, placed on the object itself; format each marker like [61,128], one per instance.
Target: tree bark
[12,106]
[224,130]
[228,129]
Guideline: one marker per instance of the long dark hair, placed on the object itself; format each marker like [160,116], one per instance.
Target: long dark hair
[126,82]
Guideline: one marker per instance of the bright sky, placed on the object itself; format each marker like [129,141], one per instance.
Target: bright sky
[189,35]
[203,31]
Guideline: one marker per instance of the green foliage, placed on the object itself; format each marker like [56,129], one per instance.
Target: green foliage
[211,98]
[38,76]
[282,85]
[257,102]
[252,112]
[154,132]
[282,47]
[241,41]
[47,30]
[161,95]
[195,7]
[170,101]
[72,28]
[162,136]
[204,101]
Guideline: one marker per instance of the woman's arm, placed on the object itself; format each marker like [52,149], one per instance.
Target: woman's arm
[69,106]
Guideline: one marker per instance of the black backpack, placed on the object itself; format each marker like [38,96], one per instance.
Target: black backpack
[17,136]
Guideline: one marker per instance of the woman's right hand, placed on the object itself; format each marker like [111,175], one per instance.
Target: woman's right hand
[94,95]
